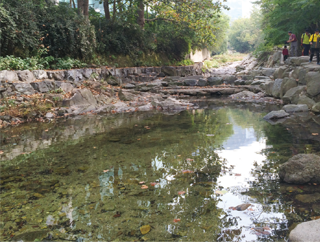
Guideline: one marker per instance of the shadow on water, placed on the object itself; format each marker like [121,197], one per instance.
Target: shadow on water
[152,176]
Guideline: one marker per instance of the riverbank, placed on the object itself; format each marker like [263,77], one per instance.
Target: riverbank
[47,95]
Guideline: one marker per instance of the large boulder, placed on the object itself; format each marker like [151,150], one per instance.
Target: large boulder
[214,81]
[313,83]
[190,82]
[8,76]
[276,89]
[301,169]
[24,88]
[292,108]
[276,115]
[267,87]
[293,95]
[306,232]
[229,79]
[169,70]
[40,86]
[303,99]
[56,75]
[26,76]
[126,96]
[286,85]
[40,74]
[81,98]
[73,75]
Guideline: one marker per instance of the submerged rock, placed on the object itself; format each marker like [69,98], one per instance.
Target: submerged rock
[276,115]
[300,169]
[307,231]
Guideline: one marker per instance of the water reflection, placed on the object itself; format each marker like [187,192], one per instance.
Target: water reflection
[150,177]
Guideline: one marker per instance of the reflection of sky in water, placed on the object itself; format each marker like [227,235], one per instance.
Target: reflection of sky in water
[242,150]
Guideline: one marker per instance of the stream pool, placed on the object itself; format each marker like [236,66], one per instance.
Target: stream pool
[155,177]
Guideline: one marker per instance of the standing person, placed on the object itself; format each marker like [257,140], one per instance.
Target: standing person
[285,53]
[305,37]
[294,44]
[315,46]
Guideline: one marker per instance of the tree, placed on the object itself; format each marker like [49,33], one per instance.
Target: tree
[245,34]
[83,6]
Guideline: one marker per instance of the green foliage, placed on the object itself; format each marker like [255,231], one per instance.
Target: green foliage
[245,33]
[38,63]
[281,16]
[218,60]
[30,25]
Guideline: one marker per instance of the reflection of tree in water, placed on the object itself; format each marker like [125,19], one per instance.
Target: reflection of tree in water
[111,205]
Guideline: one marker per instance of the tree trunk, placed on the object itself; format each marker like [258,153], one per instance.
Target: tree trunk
[83,7]
[106,9]
[114,10]
[141,20]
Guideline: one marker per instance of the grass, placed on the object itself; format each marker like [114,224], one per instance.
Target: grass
[219,60]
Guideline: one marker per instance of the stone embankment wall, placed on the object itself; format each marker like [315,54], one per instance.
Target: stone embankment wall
[30,82]
[294,82]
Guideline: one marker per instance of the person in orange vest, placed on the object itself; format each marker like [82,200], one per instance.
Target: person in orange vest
[315,46]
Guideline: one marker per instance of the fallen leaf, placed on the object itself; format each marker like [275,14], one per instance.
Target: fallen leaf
[181,192]
[315,134]
[47,130]
[176,220]
[154,183]
[188,159]
[145,229]
[1,152]
[187,171]
[105,171]
[142,182]
[146,127]
[94,147]
[144,187]
[315,217]
[179,155]
[237,174]
[138,139]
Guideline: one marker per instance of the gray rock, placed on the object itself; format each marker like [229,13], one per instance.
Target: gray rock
[276,89]
[240,82]
[40,86]
[262,78]
[313,83]
[190,82]
[40,74]
[297,61]
[56,75]
[316,108]
[276,115]
[268,71]
[86,72]
[293,108]
[279,72]
[202,82]
[73,75]
[8,76]
[258,82]
[161,74]
[306,100]
[113,80]
[286,85]
[247,77]
[229,79]
[306,232]
[49,115]
[24,88]
[50,84]
[214,81]
[244,94]
[144,108]
[267,87]
[293,95]
[126,96]
[169,70]
[129,86]
[82,97]
[66,87]
[26,76]
[301,169]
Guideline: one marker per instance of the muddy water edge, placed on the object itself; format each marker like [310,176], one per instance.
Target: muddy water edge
[155,176]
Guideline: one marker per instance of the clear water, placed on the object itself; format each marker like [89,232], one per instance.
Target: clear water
[150,176]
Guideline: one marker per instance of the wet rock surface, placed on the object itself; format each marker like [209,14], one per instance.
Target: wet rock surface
[307,231]
[301,169]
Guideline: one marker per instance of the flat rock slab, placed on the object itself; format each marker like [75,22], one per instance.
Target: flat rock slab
[292,108]
[276,115]
[204,91]
[306,232]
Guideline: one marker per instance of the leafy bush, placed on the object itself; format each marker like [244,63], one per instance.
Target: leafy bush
[30,25]
[38,63]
